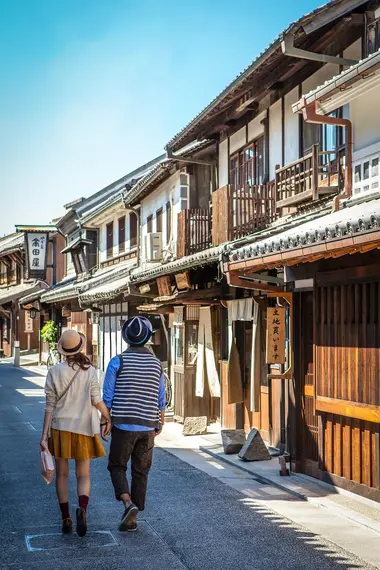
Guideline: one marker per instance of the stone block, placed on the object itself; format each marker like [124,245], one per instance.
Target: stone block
[254,448]
[195,426]
[233,440]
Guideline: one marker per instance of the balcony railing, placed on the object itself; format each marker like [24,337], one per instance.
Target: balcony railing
[194,231]
[314,175]
[239,212]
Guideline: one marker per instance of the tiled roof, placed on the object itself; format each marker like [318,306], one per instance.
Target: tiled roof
[359,217]
[232,90]
[60,292]
[11,243]
[105,292]
[161,171]
[15,292]
[205,257]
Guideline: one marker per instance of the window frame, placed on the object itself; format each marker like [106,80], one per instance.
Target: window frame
[168,221]
[121,234]
[159,220]
[149,224]
[109,242]
[133,230]
[247,166]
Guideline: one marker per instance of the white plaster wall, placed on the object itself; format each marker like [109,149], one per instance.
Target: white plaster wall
[354,51]
[223,163]
[255,127]
[365,117]
[320,77]
[238,140]
[275,138]
[113,217]
[174,189]
[291,128]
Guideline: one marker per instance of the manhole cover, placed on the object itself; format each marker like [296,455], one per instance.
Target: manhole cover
[55,541]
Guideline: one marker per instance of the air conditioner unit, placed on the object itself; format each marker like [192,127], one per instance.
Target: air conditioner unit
[153,246]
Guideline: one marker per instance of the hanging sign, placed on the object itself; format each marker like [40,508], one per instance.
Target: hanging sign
[144,288]
[164,287]
[276,334]
[183,281]
[29,326]
[36,247]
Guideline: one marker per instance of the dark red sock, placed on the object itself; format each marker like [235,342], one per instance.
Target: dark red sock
[64,510]
[83,501]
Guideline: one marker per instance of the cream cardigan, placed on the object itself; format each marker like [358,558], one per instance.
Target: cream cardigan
[76,411]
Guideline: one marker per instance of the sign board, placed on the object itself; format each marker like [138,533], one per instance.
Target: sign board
[37,249]
[276,335]
[183,281]
[29,327]
[164,287]
[144,288]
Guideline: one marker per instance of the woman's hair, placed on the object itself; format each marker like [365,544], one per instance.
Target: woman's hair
[80,359]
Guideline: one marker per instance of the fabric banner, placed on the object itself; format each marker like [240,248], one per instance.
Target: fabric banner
[206,351]
[240,310]
[235,386]
[255,360]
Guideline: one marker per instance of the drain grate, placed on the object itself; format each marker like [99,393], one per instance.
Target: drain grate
[56,541]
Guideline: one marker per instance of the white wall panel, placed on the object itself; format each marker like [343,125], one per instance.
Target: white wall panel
[275,138]
[238,140]
[223,163]
[291,128]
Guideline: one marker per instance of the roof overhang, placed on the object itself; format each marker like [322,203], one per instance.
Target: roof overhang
[344,88]
[255,82]
[76,244]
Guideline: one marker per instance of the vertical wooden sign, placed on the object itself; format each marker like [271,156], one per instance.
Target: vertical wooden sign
[276,335]
[164,286]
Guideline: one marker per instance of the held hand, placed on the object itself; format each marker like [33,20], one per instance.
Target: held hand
[105,429]
[108,427]
[44,444]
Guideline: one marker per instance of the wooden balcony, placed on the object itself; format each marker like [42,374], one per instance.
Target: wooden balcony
[309,178]
[194,231]
[240,212]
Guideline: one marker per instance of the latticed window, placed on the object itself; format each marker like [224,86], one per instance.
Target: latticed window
[247,166]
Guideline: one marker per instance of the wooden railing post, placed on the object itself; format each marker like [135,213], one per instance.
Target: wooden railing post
[315,171]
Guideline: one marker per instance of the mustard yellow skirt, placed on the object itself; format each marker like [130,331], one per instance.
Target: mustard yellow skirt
[67,445]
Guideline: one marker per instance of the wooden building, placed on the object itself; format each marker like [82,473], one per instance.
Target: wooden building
[16,325]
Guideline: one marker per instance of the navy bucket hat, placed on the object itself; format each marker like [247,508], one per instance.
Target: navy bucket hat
[137,330]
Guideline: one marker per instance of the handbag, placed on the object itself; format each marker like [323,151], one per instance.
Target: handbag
[46,459]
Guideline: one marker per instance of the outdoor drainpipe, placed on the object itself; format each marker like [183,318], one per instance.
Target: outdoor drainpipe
[310,115]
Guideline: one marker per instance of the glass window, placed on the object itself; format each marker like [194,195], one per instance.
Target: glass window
[178,345]
[192,343]
[375,167]
[366,170]
[358,174]
[247,167]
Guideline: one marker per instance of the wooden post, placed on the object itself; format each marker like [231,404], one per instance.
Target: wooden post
[315,171]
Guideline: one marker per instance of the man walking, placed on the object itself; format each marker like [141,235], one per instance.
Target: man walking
[134,389]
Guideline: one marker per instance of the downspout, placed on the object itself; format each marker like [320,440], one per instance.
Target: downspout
[310,115]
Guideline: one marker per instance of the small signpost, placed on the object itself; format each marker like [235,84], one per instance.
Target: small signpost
[276,335]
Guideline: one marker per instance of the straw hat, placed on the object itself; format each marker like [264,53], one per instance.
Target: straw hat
[71,343]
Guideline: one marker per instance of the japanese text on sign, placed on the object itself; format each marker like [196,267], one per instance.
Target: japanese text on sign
[276,334]
[37,243]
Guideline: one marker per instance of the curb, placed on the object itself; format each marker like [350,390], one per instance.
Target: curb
[321,502]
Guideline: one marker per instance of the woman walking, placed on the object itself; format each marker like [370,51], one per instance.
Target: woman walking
[72,423]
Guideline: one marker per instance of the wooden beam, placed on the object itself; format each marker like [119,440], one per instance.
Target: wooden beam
[356,410]
[234,280]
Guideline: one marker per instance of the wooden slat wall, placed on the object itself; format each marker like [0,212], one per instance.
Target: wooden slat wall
[347,379]
[348,342]
[351,449]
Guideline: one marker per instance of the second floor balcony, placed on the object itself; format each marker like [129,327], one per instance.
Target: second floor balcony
[237,212]
[313,176]
[194,231]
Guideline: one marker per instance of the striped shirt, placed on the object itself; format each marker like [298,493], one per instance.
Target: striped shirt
[135,390]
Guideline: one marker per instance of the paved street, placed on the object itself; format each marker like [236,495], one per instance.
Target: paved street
[192,520]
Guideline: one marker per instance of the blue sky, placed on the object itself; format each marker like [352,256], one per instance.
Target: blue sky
[91,89]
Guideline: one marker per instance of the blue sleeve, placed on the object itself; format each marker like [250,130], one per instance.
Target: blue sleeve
[110,381]
[162,403]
